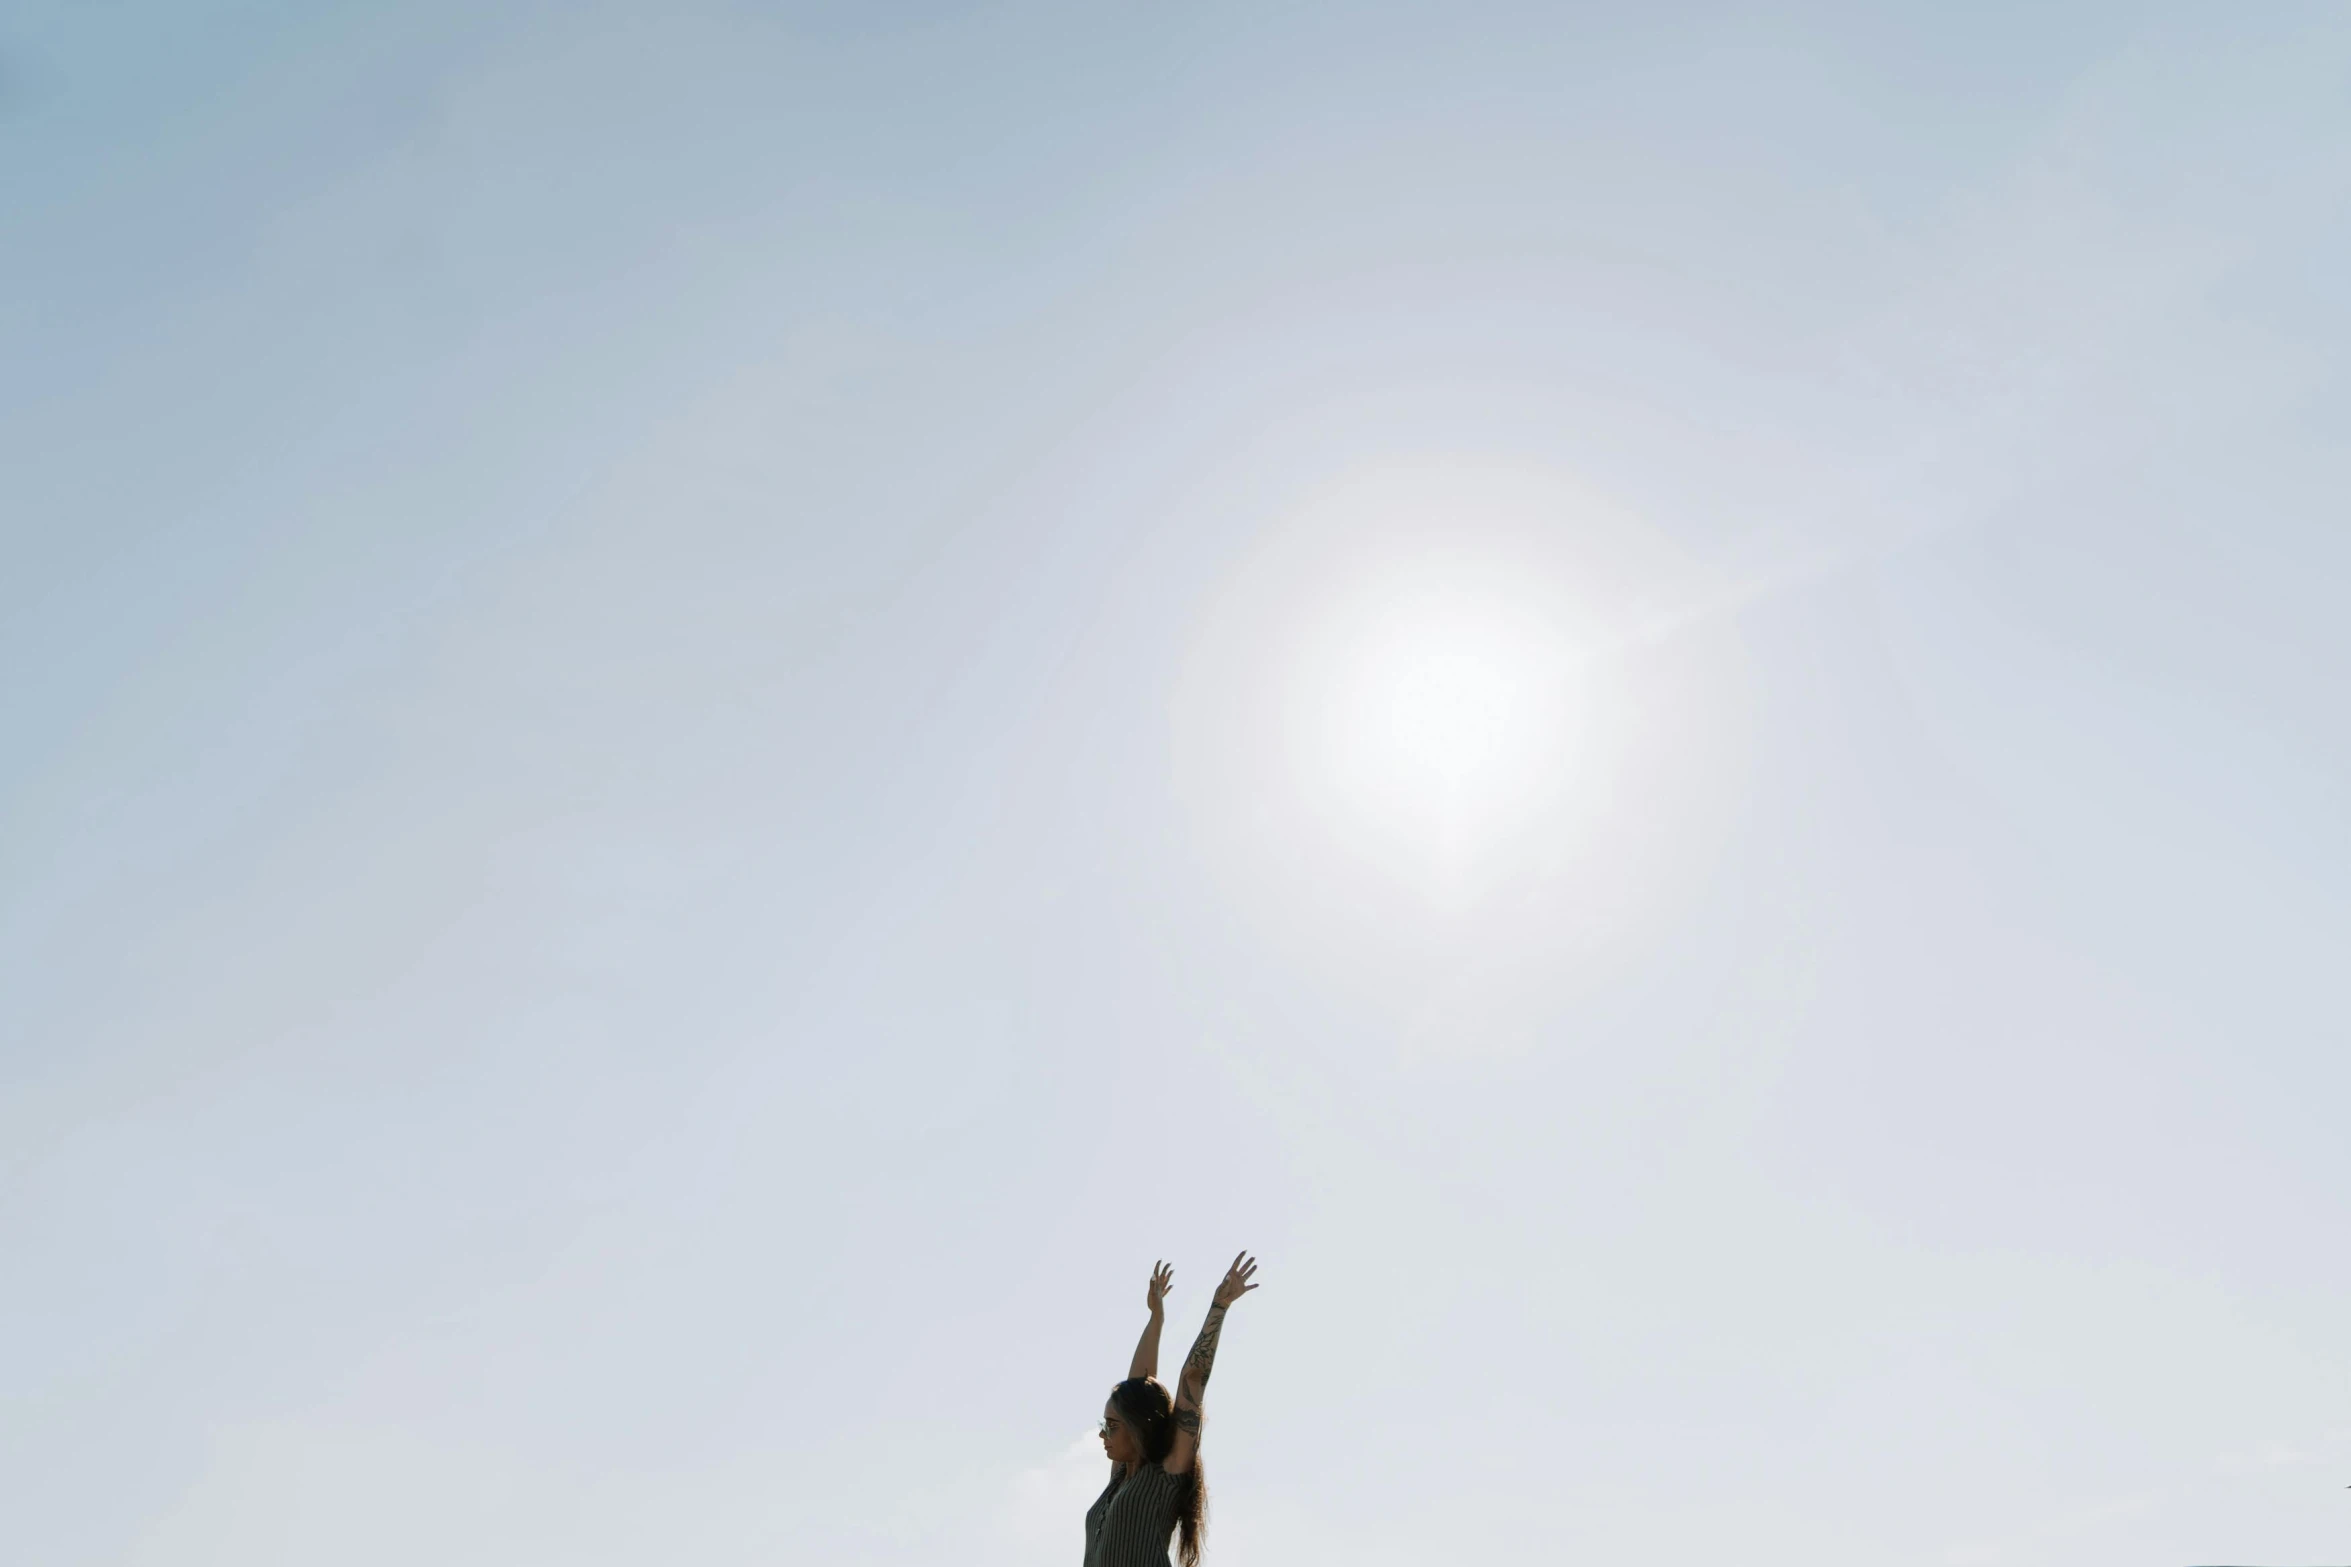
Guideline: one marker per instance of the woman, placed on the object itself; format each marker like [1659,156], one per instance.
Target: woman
[1154,1442]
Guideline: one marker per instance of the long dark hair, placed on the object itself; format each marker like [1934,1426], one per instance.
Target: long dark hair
[1150,1414]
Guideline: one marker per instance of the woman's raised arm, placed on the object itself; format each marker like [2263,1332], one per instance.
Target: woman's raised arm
[1146,1361]
[1193,1385]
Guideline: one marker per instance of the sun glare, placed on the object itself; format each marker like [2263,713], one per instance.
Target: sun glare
[1439,705]
[1434,714]
[1412,749]
[1405,692]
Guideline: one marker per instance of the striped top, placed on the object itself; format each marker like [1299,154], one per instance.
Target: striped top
[1133,1519]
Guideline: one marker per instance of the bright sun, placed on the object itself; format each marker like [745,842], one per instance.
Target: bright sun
[1435,714]
[1412,744]
[1439,703]
[1406,688]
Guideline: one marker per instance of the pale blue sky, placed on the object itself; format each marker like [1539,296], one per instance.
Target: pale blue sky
[650,843]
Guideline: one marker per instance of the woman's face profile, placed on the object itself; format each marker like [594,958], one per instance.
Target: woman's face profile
[1117,1440]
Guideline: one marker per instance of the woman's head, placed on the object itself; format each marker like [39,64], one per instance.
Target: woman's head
[1138,1424]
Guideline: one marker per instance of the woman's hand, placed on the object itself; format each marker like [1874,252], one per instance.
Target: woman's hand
[1236,1280]
[1146,1361]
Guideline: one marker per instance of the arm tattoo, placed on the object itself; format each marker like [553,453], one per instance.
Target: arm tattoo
[1188,1420]
[1203,1355]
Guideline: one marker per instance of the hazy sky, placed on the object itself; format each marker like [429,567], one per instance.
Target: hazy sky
[708,710]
